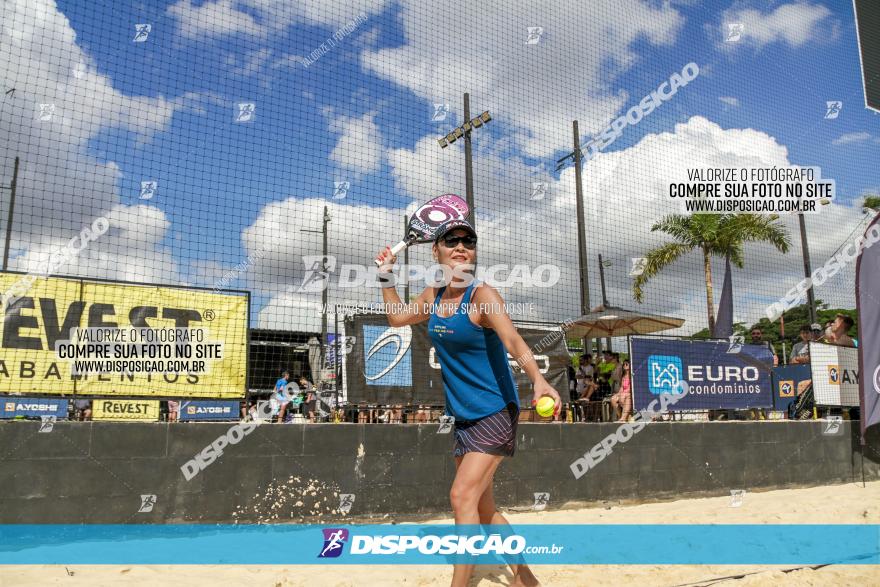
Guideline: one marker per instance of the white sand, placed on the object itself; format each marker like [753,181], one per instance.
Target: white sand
[836,504]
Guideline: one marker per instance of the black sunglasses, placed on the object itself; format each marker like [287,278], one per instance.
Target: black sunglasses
[469,241]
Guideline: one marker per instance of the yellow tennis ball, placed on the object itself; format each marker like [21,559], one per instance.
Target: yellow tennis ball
[545,406]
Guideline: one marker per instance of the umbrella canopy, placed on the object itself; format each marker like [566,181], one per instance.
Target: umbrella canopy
[609,321]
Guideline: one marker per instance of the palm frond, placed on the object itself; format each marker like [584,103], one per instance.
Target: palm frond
[656,260]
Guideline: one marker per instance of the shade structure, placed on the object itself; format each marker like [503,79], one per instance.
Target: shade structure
[610,321]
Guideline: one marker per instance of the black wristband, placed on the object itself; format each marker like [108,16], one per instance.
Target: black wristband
[386,279]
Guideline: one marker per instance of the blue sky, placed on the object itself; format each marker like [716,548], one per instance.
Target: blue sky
[362,113]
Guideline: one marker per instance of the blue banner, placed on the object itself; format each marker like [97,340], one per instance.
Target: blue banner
[785,385]
[388,356]
[32,407]
[562,544]
[210,410]
[719,374]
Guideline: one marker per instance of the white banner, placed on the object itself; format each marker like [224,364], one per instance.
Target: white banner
[835,372]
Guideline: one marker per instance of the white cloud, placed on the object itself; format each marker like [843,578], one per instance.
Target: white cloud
[61,187]
[852,137]
[288,60]
[730,101]
[251,64]
[359,147]
[481,49]
[624,194]
[261,18]
[129,251]
[213,19]
[357,233]
[793,24]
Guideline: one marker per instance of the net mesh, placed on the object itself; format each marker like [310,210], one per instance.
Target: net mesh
[225,143]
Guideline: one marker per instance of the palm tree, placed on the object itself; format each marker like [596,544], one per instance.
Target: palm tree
[720,235]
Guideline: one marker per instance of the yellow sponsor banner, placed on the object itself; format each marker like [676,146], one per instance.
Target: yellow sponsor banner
[40,312]
[121,409]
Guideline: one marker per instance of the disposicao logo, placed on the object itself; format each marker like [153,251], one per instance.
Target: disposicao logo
[334,541]
[664,373]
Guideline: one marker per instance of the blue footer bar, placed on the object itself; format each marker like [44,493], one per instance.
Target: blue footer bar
[540,544]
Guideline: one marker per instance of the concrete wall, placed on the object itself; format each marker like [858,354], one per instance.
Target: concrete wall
[96,472]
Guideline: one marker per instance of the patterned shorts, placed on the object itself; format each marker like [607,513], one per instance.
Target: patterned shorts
[494,434]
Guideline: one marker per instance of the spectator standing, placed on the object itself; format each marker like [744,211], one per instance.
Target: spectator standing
[604,369]
[838,332]
[280,398]
[616,373]
[622,400]
[173,410]
[572,382]
[800,352]
[758,338]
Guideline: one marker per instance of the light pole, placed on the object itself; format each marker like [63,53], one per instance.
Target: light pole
[12,187]
[464,131]
[406,260]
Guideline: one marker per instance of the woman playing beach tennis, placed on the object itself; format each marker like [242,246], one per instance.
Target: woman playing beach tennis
[472,334]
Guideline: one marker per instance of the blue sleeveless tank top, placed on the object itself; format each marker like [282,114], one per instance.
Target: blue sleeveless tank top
[477,377]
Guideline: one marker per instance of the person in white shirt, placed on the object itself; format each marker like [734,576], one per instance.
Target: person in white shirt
[585,369]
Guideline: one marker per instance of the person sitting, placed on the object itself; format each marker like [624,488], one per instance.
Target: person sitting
[296,404]
[582,403]
[82,409]
[585,369]
[310,403]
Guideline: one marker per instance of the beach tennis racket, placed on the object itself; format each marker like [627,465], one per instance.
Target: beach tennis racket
[425,221]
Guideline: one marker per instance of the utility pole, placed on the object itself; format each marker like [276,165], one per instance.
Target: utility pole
[337,369]
[12,187]
[604,297]
[808,272]
[326,289]
[582,231]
